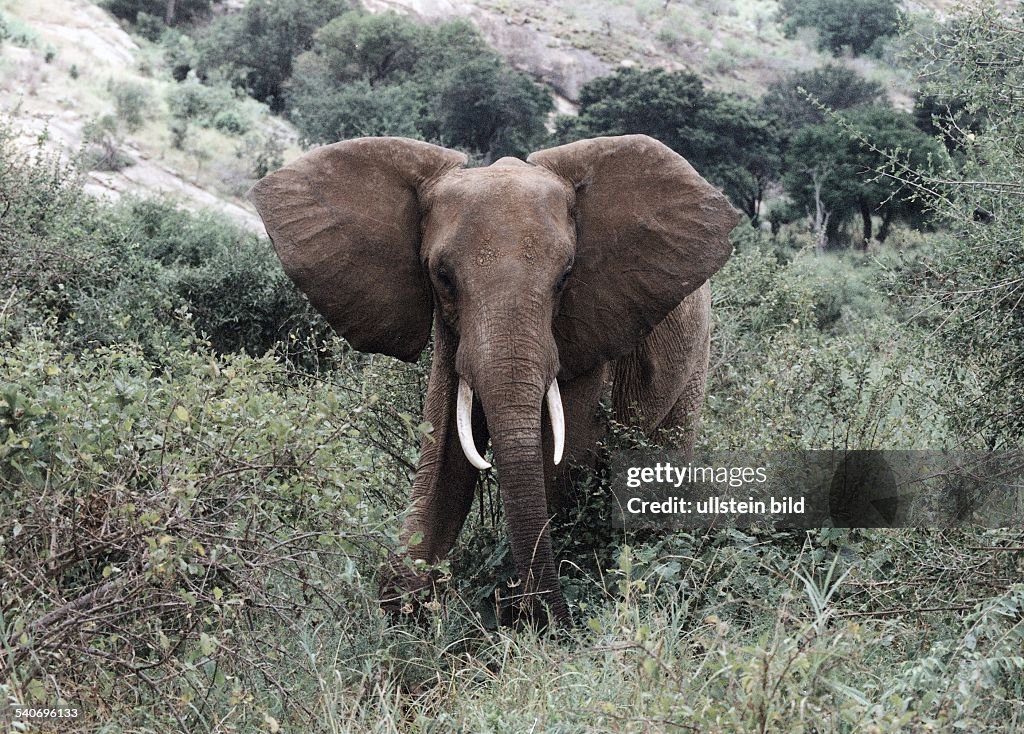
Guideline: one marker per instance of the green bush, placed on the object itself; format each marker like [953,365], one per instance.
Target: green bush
[179,52]
[132,101]
[359,110]
[66,262]
[812,356]
[263,152]
[387,75]
[150,27]
[255,47]
[241,301]
[727,138]
[971,285]
[858,24]
[101,145]
[231,121]
[231,283]
[190,506]
[207,105]
[142,271]
[184,11]
[834,86]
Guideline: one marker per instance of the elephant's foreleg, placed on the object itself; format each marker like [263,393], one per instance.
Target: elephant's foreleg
[685,414]
[581,399]
[442,492]
[660,384]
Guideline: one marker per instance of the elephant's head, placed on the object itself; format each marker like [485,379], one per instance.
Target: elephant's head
[527,272]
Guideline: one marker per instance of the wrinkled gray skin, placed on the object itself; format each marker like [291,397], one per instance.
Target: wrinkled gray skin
[589,261]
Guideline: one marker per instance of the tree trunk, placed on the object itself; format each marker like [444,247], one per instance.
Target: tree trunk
[832,231]
[820,237]
[821,214]
[883,231]
[169,15]
[865,213]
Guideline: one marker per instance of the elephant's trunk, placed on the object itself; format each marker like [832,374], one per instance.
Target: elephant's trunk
[513,379]
[516,439]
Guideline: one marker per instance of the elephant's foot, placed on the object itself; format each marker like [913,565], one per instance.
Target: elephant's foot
[518,606]
[403,591]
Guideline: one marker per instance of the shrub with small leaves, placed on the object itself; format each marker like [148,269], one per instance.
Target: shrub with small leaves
[206,105]
[132,100]
[102,149]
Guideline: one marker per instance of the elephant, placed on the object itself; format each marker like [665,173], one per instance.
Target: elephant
[541,281]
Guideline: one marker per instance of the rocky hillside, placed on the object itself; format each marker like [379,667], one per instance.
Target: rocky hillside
[64,60]
[57,73]
[736,45]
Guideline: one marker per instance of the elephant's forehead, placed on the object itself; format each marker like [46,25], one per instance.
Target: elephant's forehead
[501,188]
[503,215]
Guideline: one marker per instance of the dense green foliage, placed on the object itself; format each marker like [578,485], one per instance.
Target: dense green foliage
[192,534]
[971,289]
[386,75]
[255,47]
[207,105]
[827,169]
[838,133]
[158,12]
[723,136]
[858,24]
[797,99]
[143,272]
[837,169]
[338,73]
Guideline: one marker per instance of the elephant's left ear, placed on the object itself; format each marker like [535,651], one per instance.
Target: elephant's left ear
[650,231]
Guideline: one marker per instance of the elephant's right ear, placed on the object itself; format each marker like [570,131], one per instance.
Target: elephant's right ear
[345,221]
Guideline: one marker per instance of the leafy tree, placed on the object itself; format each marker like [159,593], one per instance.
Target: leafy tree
[746,159]
[835,86]
[854,23]
[947,118]
[387,75]
[822,179]
[487,106]
[172,12]
[255,48]
[976,280]
[837,171]
[726,138]
[376,48]
[667,105]
[357,109]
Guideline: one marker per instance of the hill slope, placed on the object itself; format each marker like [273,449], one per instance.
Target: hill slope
[66,56]
[57,75]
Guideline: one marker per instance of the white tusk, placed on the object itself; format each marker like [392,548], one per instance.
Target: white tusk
[464,422]
[554,399]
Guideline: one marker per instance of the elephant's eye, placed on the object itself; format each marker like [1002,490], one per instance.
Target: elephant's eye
[445,279]
[560,285]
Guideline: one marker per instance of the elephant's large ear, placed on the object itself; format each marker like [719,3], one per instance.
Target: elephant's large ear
[650,231]
[345,221]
